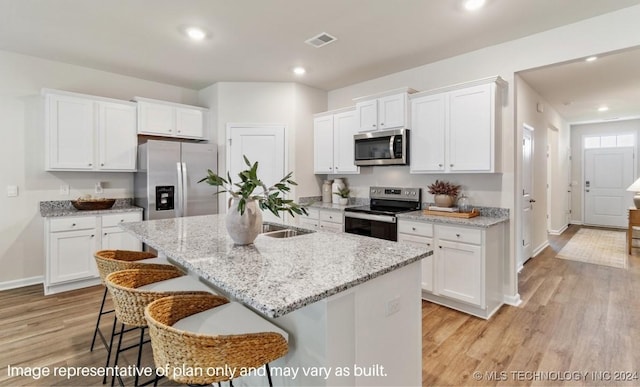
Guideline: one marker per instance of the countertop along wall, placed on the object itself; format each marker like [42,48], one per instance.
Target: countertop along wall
[22,152]
[609,32]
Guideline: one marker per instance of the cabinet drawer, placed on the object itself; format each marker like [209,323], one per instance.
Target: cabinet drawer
[415,240]
[124,217]
[313,213]
[75,223]
[331,216]
[311,224]
[415,228]
[329,226]
[465,235]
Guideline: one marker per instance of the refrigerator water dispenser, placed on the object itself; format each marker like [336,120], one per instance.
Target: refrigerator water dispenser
[164,197]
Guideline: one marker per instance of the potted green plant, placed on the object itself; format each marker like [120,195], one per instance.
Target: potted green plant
[343,192]
[244,218]
[444,193]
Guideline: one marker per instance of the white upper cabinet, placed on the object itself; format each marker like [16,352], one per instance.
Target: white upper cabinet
[86,133]
[387,110]
[333,143]
[167,119]
[457,129]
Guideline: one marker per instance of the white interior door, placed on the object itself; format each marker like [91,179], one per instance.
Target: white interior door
[607,174]
[264,144]
[527,200]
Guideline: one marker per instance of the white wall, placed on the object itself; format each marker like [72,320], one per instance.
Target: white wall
[284,103]
[527,100]
[577,175]
[22,151]
[613,31]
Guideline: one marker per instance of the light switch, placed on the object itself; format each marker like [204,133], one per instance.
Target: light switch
[64,189]
[98,187]
[12,191]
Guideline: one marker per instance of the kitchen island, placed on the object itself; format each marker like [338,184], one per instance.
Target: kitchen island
[350,304]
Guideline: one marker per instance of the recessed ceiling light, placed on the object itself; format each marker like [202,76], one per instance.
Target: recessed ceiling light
[603,108]
[195,33]
[472,5]
[591,58]
[299,70]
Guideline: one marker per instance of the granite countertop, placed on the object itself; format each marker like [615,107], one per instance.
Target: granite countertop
[65,208]
[331,206]
[481,221]
[274,276]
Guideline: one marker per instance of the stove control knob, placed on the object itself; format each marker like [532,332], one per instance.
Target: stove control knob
[413,193]
[406,192]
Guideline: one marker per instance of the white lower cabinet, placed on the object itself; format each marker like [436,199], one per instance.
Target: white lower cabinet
[465,270]
[325,220]
[71,243]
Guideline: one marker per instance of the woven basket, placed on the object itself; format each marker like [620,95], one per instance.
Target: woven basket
[129,302]
[93,205]
[110,261]
[177,349]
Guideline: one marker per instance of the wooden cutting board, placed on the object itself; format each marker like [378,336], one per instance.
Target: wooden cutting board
[465,215]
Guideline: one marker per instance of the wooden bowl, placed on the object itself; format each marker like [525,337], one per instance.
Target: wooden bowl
[93,205]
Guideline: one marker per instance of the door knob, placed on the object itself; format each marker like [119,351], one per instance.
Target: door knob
[532,200]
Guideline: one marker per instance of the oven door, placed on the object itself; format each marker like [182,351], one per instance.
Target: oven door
[389,147]
[375,226]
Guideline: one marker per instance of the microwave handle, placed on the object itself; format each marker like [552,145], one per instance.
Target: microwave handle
[391,150]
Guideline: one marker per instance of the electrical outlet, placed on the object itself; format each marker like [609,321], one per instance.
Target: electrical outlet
[64,189]
[98,187]
[393,306]
[12,191]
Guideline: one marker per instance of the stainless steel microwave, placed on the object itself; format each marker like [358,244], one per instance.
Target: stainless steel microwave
[385,147]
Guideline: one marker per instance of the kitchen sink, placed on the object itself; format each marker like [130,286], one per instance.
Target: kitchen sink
[281,231]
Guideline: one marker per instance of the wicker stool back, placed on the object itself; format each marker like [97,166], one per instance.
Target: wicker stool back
[177,349]
[109,261]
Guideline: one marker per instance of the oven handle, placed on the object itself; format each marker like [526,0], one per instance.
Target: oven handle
[380,218]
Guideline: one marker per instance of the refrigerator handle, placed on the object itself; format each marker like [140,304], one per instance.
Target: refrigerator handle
[185,190]
[178,200]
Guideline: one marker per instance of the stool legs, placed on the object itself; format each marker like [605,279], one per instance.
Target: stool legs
[97,330]
[113,333]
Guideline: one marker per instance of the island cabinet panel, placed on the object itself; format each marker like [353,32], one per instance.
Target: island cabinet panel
[72,241]
[333,146]
[168,119]
[88,133]
[465,271]
[457,129]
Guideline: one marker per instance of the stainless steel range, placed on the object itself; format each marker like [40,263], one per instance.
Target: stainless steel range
[378,219]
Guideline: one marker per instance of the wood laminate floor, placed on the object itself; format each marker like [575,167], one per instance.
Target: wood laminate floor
[578,324]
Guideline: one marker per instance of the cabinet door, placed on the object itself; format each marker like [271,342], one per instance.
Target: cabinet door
[367,115]
[308,223]
[459,272]
[189,123]
[471,129]
[392,111]
[71,255]
[323,144]
[115,238]
[156,119]
[71,132]
[117,133]
[427,263]
[345,127]
[428,126]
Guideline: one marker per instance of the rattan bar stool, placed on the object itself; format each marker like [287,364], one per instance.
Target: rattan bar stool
[109,261]
[206,331]
[133,289]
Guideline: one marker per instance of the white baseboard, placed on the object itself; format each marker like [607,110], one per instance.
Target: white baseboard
[21,283]
[539,249]
[559,232]
[576,222]
[513,300]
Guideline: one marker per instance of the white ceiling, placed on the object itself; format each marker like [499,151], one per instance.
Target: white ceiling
[261,40]
[576,89]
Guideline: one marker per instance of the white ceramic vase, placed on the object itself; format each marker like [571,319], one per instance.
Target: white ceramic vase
[343,201]
[443,200]
[337,185]
[244,228]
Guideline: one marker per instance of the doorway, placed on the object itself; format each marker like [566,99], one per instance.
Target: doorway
[265,144]
[527,199]
[607,174]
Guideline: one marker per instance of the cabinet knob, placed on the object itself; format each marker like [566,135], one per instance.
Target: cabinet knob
[336,168]
[440,246]
[457,235]
[121,220]
[102,164]
[382,124]
[179,131]
[73,224]
[105,234]
[440,165]
[413,228]
[428,244]
[374,125]
[330,217]
[451,165]
[90,164]
[92,235]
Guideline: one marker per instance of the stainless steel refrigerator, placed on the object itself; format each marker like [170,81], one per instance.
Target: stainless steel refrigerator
[166,184]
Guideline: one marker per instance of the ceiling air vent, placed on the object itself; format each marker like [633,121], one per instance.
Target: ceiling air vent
[321,40]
